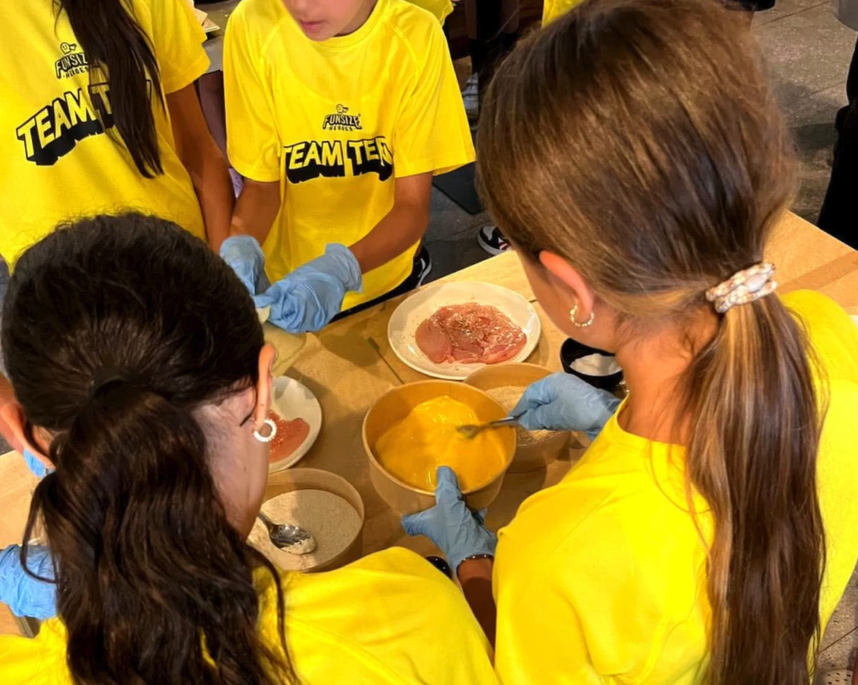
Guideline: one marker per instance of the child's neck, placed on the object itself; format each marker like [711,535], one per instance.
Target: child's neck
[654,366]
[360,18]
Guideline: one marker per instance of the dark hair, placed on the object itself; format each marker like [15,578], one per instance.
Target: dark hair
[115,329]
[638,140]
[117,47]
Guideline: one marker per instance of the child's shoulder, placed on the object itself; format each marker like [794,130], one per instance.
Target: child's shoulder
[407,12]
[411,24]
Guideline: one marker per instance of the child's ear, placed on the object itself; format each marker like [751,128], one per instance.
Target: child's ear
[12,414]
[569,276]
[263,386]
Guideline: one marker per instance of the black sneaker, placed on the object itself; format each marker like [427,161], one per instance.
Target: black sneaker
[422,265]
[491,240]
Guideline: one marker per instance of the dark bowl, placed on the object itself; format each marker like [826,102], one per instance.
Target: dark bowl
[572,350]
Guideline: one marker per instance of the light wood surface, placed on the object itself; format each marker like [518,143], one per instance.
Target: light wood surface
[350,364]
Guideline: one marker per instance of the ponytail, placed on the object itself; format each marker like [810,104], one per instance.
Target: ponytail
[148,556]
[754,436]
[154,585]
[118,48]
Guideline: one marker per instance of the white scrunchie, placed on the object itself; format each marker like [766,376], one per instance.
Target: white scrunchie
[743,287]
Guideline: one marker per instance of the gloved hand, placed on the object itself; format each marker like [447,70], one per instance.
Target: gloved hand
[25,595]
[456,530]
[37,468]
[244,256]
[309,297]
[562,401]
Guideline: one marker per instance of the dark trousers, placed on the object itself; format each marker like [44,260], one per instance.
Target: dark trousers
[839,215]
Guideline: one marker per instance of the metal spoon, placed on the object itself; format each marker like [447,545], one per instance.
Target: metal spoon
[470,432]
[292,539]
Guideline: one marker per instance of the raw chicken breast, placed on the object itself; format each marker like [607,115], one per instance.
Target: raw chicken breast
[469,334]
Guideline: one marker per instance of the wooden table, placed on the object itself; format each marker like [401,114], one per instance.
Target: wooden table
[350,364]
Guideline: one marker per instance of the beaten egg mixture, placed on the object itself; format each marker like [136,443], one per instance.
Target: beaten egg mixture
[427,438]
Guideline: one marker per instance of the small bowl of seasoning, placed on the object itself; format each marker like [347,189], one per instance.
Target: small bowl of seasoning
[594,366]
[322,503]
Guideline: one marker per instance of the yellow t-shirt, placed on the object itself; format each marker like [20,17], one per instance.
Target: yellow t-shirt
[58,162]
[440,8]
[551,9]
[388,619]
[336,122]
[601,578]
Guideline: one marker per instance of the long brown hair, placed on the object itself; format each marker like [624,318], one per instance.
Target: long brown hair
[116,47]
[115,330]
[638,140]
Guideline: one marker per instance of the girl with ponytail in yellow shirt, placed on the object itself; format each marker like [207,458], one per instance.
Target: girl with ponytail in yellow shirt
[633,154]
[146,386]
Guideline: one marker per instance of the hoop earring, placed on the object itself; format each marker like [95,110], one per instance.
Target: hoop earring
[271,434]
[588,322]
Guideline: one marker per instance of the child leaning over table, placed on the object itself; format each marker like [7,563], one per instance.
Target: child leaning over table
[339,112]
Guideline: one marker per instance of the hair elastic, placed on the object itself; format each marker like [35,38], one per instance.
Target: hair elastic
[107,376]
[743,287]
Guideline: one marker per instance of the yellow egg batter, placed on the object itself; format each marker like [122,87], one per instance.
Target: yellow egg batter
[427,438]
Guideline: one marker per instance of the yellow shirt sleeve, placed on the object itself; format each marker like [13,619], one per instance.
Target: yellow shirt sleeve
[432,132]
[35,661]
[596,597]
[389,618]
[178,41]
[440,9]
[552,9]
[253,146]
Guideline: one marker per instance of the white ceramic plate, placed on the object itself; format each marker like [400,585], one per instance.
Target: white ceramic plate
[294,400]
[420,306]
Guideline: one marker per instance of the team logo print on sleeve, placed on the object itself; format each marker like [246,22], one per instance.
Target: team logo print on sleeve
[337,158]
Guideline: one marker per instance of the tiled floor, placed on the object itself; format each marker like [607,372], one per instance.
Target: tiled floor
[809,54]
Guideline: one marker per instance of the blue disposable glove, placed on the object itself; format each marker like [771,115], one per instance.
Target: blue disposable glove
[25,595]
[309,297]
[244,256]
[37,468]
[456,530]
[564,402]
